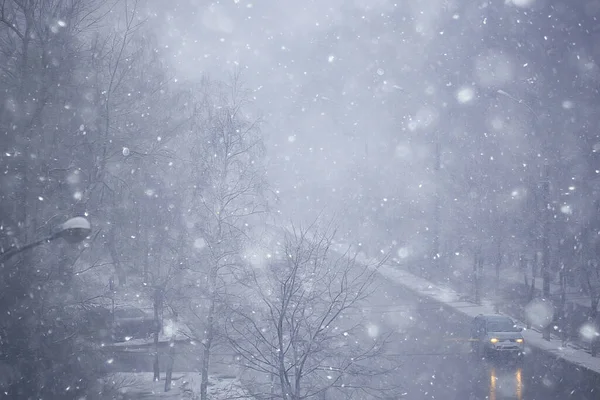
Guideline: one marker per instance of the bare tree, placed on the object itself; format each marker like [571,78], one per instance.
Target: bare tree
[41,48]
[294,325]
[114,63]
[589,272]
[227,158]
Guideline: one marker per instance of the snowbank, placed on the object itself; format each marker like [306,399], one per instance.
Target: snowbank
[184,386]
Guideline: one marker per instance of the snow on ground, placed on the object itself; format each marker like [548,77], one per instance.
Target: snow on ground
[185,386]
[140,385]
[225,387]
[455,300]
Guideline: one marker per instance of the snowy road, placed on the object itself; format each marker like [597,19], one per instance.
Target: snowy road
[436,360]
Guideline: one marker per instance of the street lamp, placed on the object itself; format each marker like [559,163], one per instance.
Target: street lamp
[72,231]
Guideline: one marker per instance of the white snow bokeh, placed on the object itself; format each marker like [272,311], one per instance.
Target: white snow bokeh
[74,177]
[497,123]
[520,3]
[424,118]
[403,151]
[367,5]
[403,252]
[216,19]
[493,68]
[539,313]
[566,209]
[588,332]
[256,256]
[518,193]
[372,330]
[199,244]
[548,382]
[465,95]
[567,104]
[402,320]
[170,327]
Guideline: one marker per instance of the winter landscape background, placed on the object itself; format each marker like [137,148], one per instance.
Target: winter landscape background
[233,158]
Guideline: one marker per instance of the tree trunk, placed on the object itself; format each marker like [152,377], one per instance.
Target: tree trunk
[146,255]
[498,264]
[155,365]
[138,245]
[563,306]
[157,304]
[114,254]
[476,276]
[480,274]
[523,268]
[531,288]
[546,243]
[171,359]
[208,338]
[323,395]
[272,376]
[594,322]
[437,215]
[497,284]
[23,202]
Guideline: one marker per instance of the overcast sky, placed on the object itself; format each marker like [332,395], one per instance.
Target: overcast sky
[318,68]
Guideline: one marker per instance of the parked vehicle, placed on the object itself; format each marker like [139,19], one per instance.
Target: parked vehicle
[133,323]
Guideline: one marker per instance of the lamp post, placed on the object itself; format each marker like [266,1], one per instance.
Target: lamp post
[73,231]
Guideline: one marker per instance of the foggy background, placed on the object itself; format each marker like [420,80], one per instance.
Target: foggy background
[356,95]
[457,140]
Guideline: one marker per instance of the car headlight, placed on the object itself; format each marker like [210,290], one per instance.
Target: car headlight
[494,340]
[519,340]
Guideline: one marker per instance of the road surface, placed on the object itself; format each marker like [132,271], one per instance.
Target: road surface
[436,358]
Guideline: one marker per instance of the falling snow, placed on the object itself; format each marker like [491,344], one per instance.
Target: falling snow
[349,181]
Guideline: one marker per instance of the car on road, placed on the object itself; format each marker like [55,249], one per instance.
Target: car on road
[496,335]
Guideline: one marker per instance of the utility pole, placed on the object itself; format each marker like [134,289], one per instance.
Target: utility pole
[546,240]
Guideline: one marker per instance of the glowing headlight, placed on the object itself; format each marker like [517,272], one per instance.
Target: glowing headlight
[519,340]
[494,340]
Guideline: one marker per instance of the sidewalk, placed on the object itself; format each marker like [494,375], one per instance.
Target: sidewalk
[456,301]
